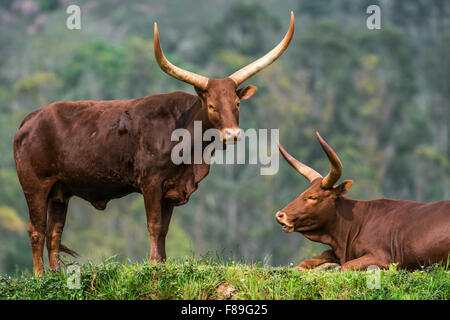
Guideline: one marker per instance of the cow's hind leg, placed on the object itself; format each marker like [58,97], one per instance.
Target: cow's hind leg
[327,256]
[57,211]
[37,204]
[363,262]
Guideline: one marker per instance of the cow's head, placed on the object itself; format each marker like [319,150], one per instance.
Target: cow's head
[315,207]
[221,97]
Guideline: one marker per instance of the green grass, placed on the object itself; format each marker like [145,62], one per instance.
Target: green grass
[214,278]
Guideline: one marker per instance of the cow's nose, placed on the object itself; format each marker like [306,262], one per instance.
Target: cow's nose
[280,215]
[231,135]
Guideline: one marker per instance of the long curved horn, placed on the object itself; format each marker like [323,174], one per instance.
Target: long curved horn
[304,170]
[178,73]
[246,72]
[336,166]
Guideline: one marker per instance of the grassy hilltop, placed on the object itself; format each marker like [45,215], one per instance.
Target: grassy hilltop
[214,278]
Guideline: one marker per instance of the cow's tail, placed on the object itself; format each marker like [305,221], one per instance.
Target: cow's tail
[67,250]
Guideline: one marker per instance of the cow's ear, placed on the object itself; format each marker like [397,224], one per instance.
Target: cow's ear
[201,93]
[246,92]
[344,187]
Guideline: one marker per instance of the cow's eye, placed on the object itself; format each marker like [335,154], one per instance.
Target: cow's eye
[313,198]
[238,105]
[211,107]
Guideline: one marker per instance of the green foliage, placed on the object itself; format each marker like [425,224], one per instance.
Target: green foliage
[10,220]
[48,5]
[98,63]
[244,27]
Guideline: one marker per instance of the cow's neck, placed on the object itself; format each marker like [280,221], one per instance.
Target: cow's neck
[188,120]
[197,115]
[184,182]
[201,170]
[343,230]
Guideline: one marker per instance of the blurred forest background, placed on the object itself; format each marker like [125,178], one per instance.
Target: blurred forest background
[381,98]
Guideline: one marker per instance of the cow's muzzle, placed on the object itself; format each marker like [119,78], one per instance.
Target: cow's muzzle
[231,135]
[281,219]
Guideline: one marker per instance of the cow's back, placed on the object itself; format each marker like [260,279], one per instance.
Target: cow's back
[90,146]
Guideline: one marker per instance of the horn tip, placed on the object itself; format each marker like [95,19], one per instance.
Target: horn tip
[318,135]
[292,24]
[155,34]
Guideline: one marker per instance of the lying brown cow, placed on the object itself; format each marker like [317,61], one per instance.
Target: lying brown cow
[363,233]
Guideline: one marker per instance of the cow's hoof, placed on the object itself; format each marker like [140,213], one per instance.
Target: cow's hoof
[300,268]
[328,266]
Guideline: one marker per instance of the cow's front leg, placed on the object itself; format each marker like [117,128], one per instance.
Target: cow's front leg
[327,256]
[363,262]
[158,213]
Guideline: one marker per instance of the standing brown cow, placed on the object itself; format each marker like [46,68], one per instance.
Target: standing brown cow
[363,233]
[103,150]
